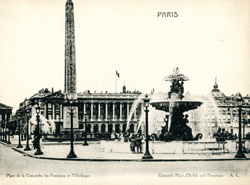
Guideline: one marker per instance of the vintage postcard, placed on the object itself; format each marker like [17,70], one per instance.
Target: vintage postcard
[124,92]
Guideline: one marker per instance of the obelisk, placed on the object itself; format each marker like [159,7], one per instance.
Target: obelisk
[70,64]
[70,61]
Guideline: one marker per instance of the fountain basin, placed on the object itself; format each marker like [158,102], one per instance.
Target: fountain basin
[184,105]
[174,147]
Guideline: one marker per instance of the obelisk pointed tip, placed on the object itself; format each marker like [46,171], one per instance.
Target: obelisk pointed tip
[69,2]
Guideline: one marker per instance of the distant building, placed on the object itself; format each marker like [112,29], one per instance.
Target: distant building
[5,116]
[106,112]
[219,110]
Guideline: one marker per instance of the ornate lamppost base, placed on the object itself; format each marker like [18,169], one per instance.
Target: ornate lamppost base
[85,144]
[147,155]
[27,148]
[240,155]
[38,152]
[19,146]
[59,139]
[72,154]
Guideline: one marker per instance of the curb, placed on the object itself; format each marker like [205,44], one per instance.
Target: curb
[122,160]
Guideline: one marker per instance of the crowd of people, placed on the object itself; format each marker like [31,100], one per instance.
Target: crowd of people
[136,142]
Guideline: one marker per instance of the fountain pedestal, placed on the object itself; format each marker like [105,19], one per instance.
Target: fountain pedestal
[176,106]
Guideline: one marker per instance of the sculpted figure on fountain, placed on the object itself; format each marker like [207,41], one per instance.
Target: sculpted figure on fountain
[177,84]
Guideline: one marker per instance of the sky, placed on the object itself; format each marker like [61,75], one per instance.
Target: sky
[206,40]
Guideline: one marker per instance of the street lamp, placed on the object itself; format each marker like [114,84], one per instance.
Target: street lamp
[240,100]
[147,154]
[8,142]
[37,138]
[59,130]
[166,121]
[5,134]
[1,132]
[19,131]
[27,148]
[244,122]
[85,128]
[71,103]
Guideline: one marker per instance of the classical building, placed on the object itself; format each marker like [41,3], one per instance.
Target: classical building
[5,117]
[219,110]
[105,112]
[5,112]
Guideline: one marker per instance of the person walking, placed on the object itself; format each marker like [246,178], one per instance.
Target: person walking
[138,143]
[132,143]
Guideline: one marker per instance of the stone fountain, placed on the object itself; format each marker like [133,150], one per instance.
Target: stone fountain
[176,128]
[176,105]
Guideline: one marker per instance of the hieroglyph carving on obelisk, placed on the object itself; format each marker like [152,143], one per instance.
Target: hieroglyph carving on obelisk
[70,62]
[70,66]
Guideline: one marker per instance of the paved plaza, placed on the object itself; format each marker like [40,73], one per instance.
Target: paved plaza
[93,152]
[44,171]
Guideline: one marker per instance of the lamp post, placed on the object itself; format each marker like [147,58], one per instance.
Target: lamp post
[19,131]
[71,103]
[85,128]
[8,142]
[4,130]
[38,137]
[27,148]
[243,121]
[147,154]
[240,100]
[5,135]
[166,121]
[59,130]
[1,132]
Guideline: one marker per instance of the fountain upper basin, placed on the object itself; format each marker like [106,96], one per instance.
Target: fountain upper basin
[184,105]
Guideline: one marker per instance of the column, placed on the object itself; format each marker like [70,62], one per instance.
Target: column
[127,110]
[231,116]
[120,111]
[45,110]
[52,110]
[91,112]
[121,127]
[84,107]
[83,112]
[113,110]
[92,128]
[106,111]
[99,111]
[135,117]
[113,128]
[106,127]
[99,127]
[60,111]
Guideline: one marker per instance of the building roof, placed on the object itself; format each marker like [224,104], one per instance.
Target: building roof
[216,92]
[5,107]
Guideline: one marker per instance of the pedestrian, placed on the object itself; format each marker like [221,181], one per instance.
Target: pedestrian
[132,143]
[138,143]
[35,142]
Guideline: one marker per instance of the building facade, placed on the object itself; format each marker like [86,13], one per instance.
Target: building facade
[110,112]
[220,111]
[104,112]
[5,119]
